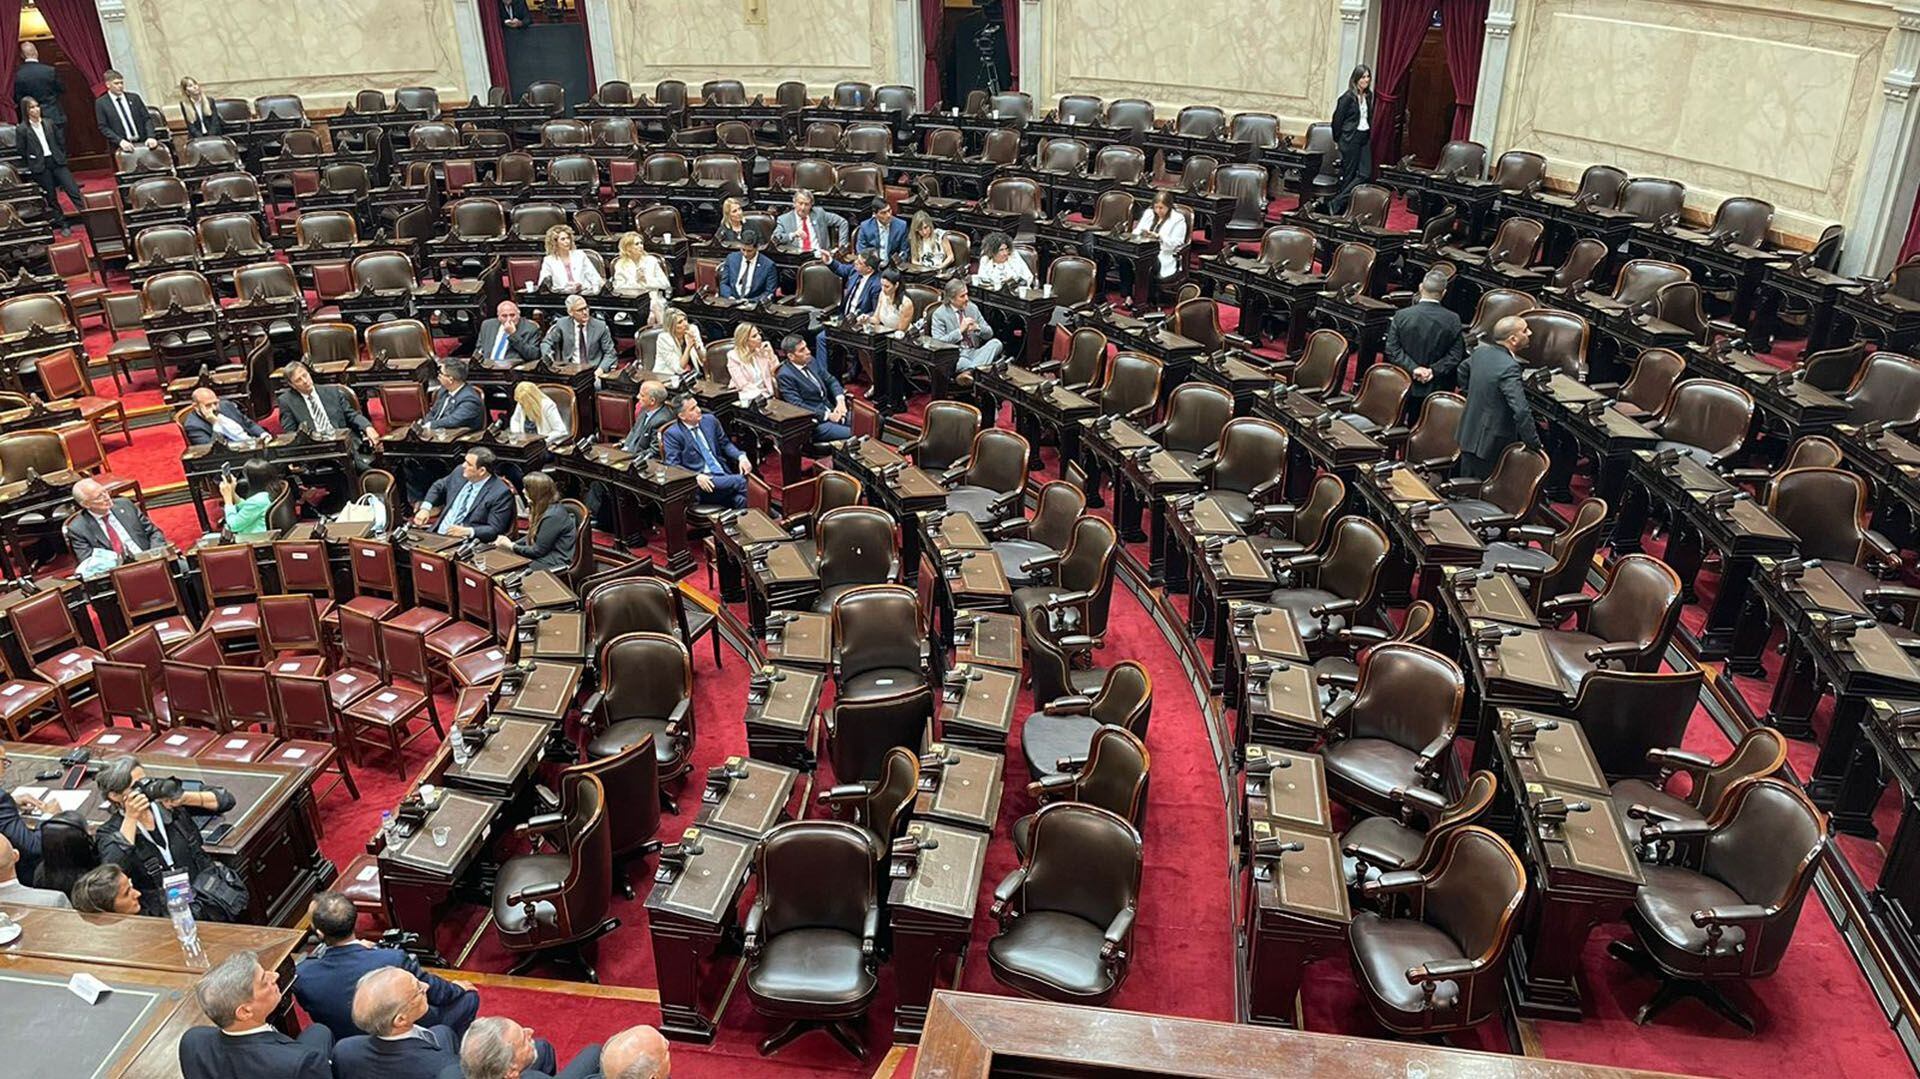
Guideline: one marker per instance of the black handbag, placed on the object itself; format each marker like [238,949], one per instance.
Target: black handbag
[219,894]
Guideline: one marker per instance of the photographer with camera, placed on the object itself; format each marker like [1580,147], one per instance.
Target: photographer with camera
[154,832]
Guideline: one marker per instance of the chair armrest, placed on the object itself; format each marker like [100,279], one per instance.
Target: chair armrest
[1679,760]
[677,720]
[526,897]
[1440,970]
[1324,611]
[1342,679]
[1557,608]
[1052,786]
[750,932]
[1395,883]
[593,706]
[1531,534]
[1004,892]
[1679,829]
[1274,514]
[1421,798]
[1114,942]
[1730,915]
[1369,857]
[1010,528]
[1754,476]
[1263,488]
[1395,434]
[1647,813]
[844,793]
[1154,431]
[1007,505]
[1132,415]
[1071,765]
[1067,706]
[1431,753]
[1459,485]
[870,932]
[540,825]
[1339,402]
[954,472]
[1076,642]
[1515,570]
[1362,635]
[1605,389]
[1882,549]
[1607,652]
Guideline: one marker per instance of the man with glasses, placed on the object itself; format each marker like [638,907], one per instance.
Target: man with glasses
[240,997]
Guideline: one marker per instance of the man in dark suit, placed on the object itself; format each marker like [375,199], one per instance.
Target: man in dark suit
[40,82]
[1425,340]
[651,415]
[859,290]
[43,153]
[805,381]
[214,418]
[457,404]
[747,276]
[1497,413]
[580,338]
[318,410]
[122,116]
[240,996]
[700,445]
[506,339]
[106,523]
[325,982]
[884,234]
[502,1048]
[390,1003]
[476,502]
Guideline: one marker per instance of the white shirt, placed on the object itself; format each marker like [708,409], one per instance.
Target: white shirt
[110,523]
[249,1032]
[1173,238]
[575,273]
[647,275]
[1361,100]
[229,430]
[549,424]
[45,150]
[1014,271]
[669,360]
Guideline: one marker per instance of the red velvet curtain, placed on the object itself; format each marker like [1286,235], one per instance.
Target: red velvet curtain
[494,37]
[930,11]
[1464,24]
[1403,25]
[76,25]
[1012,10]
[9,54]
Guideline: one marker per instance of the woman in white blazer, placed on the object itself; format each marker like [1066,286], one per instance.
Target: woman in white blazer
[536,413]
[567,268]
[1164,220]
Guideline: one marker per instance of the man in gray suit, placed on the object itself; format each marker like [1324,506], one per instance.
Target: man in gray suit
[108,523]
[580,338]
[1425,340]
[958,321]
[507,340]
[808,228]
[1497,413]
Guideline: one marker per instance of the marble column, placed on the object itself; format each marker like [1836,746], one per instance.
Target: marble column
[1359,43]
[909,56]
[1879,222]
[1032,38]
[606,62]
[472,46]
[120,50]
[1493,73]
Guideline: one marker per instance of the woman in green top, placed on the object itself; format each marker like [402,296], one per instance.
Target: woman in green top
[249,514]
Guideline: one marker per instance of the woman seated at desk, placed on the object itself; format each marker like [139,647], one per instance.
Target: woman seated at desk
[733,223]
[1163,220]
[927,247]
[249,514]
[551,527]
[752,368]
[534,413]
[894,309]
[679,348]
[1001,266]
[567,268]
[637,270]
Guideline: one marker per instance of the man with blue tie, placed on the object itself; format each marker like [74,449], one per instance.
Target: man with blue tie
[805,381]
[884,234]
[478,503]
[860,291]
[506,340]
[700,445]
[747,276]
[213,419]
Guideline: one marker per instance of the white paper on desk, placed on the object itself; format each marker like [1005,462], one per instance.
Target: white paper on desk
[87,987]
[35,793]
[236,743]
[68,800]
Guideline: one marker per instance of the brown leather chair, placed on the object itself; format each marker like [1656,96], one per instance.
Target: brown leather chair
[1560,564]
[1375,408]
[1396,729]
[1645,394]
[1346,581]
[553,907]
[1196,418]
[1705,420]
[1635,286]
[862,732]
[1051,657]
[1887,391]
[1132,389]
[630,780]
[854,546]
[1442,966]
[1066,914]
[1834,369]
[1045,536]
[881,805]
[1304,527]
[1113,776]
[1415,832]
[645,605]
[1826,508]
[1725,902]
[1627,714]
[1504,499]
[1651,199]
[1083,578]
[1559,342]
[946,436]
[1433,445]
[1321,362]
[1252,464]
[1494,305]
[1340,671]
[1065,726]
[1575,273]
[994,482]
[646,691]
[1807,451]
[1627,624]
[812,931]
[1759,753]
[879,642]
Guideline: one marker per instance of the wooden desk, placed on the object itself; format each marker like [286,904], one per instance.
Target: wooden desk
[930,907]
[977,711]
[135,942]
[503,766]
[750,805]
[132,1032]
[546,693]
[561,636]
[687,915]
[418,876]
[964,793]
[805,639]
[780,724]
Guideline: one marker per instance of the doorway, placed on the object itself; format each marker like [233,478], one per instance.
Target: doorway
[971,50]
[1428,117]
[87,148]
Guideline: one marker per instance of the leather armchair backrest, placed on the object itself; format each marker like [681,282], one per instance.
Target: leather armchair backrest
[724,92]
[1650,199]
[403,338]
[655,222]
[1383,392]
[1517,169]
[1133,381]
[1062,155]
[615,92]
[878,626]
[852,95]
[164,243]
[1515,483]
[1123,163]
[1516,241]
[36,451]
[670,92]
[1475,893]
[645,676]
[946,142]
[1813,451]
[893,793]
[1002,147]
[1825,508]
[1320,140]
[1288,247]
[208,151]
[1604,184]
[856,545]
[1408,694]
[947,437]
[816,874]
[1436,436]
[1573,550]
[1834,369]
[1496,304]
[1679,303]
[1125,698]
[1760,752]
[1081,860]
[630,605]
[1321,361]
[1626,713]
[160,291]
[1047,662]
[1115,776]
[1196,174]
[1352,264]
[1312,523]
[1248,185]
[999,462]
[1073,279]
[1086,362]
[896,98]
[1654,374]
[1014,104]
[325,342]
[1197,415]
[814,174]
[1576,270]
[1256,129]
[588,843]
[1640,279]
[832,491]
[1130,113]
[1014,194]
[1200,121]
[229,232]
[1352,568]
[1368,204]
[573,169]
[565,133]
[317,227]
[1888,390]
[1418,624]
[1710,414]
[867,729]
[1640,602]
[478,219]
[630,781]
[1468,159]
[514,167]
[1559,341]
[1078,109]
[1059,506]
[1087,564]
[819,135]
[870,139]
[1744,218]
[720,169]
[1766,850]
[1198,319]
[432,135]
[663,167]
[1252,451]
[158,192]
[820,287]
[531,220]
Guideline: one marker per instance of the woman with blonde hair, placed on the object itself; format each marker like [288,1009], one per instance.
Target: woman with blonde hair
[679,348]
[534,413]
[567,268]
[753,369]
[637,270]
[551,528]
[733,223]
[196,108]
[926,245]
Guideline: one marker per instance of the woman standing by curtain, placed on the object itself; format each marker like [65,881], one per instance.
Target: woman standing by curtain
[1353,132]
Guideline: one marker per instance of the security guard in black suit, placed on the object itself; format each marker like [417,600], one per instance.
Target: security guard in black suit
[1426,341]
[1497,412]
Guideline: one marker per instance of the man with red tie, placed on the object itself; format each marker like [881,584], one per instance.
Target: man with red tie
[111,524]
[806,228]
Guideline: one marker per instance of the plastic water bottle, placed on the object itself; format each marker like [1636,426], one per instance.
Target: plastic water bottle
[460,752]
[179,889]
[386,824]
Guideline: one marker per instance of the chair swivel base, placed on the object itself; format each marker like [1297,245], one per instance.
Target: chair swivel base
[1674,989]
[581,953]
[841,1030]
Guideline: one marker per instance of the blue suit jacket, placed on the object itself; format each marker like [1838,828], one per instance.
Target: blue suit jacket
[200,432]
[326,983]
[493,509]
[366,1057]
[683,451]
[867,237]
[205,1053]
[765,279]
[797,389]
[463,407]
[850,279]
[24,839]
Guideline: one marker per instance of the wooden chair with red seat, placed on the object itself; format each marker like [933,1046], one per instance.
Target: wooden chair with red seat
[291,623]
[202,648]
[150,599]
[305,567]
[401,403]
[432,593]
[406,662]
[474,625]
[65,378]
[182,742]
[22,702]
[306,719]
[359,881]
[240,747]
[115,741]
[51,643]
[376,580]
[230,584]
[87,455]
[614,414]
[484,665]
[474,703]
[86,292]
[193,698]
[387,711]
